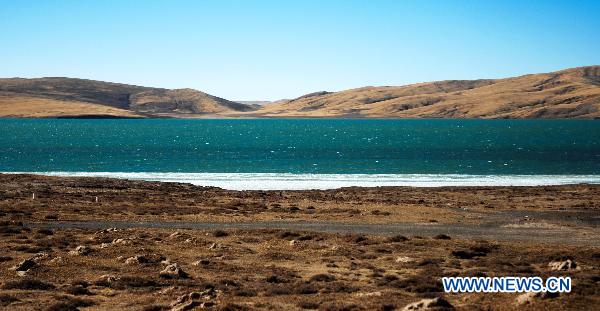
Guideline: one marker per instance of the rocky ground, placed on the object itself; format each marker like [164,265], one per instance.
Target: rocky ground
[49,267]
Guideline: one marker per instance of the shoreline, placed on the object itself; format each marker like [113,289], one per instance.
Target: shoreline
[36,198]
[312,181]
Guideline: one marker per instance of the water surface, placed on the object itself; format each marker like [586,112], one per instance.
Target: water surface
[307,150]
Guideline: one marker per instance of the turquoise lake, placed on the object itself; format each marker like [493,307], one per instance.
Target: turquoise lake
[301,146]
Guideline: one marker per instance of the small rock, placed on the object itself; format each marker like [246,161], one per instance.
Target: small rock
[30,263]
[39,256]
[190,305]
[215,246]
[193,300]
[201,262]
[209,293]
[136,260]
[173,271]
[185,298]
[530,297]
[371,294]
[101,232]
[437,303]
[106,279]
[566,265]
[293,242]
[57,260]
[403,259]
[25,265]
[80,250]
[167,290]
[174,235]
[122,242]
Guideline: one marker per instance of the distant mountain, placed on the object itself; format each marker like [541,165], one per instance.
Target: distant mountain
[68,97]
[571,93]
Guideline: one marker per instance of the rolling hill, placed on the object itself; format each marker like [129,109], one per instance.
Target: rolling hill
[570,93]
[68,97]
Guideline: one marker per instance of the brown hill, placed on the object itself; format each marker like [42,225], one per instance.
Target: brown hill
[62,97]
[571,93]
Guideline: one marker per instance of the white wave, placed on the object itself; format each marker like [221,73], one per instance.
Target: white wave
[288,181]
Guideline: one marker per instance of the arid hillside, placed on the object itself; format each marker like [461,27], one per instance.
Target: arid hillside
[571,93]
[67,97]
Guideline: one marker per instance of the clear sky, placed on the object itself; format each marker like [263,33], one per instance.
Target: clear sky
[268,50]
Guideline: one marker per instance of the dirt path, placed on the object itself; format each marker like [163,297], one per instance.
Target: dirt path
[561,235]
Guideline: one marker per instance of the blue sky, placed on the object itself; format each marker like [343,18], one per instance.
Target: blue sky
[268,50]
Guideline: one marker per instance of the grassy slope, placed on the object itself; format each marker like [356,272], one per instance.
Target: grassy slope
[34,107]
[47,97]
[572,93]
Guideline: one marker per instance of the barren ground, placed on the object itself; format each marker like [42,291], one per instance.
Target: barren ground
[347,249]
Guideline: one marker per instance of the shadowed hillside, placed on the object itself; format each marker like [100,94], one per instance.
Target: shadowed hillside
[60,97]
[571,93]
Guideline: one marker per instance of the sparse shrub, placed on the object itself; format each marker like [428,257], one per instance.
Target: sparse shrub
[45,231]
[275,279]
[428,261]
[279,290]
[6,299]
[340,306]
[380,213]
[339,287]
[10,230]
[77,290]
[229,282]
[310,305]
[233,307]
[127,282]
[156,308]
[483,248]
[28,283]
[306,237]
[467,254]
[398,238]
[137,281]
[355,238]
[421,283]
[220,233]
[288,235]
[244,293]
[306,289]
[388,307]
[323,277]
[70,304]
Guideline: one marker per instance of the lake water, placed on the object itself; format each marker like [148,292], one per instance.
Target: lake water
[308,153]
